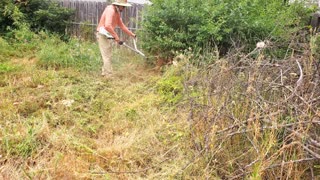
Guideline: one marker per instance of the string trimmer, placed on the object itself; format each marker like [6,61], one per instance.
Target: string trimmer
[135,49]
[108,35]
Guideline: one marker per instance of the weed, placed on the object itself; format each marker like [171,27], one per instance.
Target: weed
[171,89]
[132,114]
[6,50]
[315,46]
[5,68]
[24,144]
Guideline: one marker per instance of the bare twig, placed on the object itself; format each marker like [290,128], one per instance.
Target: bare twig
[290,162]
[267,127]
[298,83]
[314,154]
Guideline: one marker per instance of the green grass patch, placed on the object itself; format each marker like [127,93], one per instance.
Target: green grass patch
[5,68]
[56,54]
[6,50]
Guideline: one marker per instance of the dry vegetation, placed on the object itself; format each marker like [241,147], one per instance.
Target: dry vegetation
[66,124]
[254,117]
[245,116]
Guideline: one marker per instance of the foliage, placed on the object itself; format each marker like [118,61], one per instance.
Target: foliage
[171,89]
[176,24]
[55,53]
[22,145]
[38,14]
[4,68]
[24,41]
[241,120]
[5,50]
[6,12]
[49,49]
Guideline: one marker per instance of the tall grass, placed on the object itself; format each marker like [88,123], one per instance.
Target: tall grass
[5,50]
[55,53]
[49,50]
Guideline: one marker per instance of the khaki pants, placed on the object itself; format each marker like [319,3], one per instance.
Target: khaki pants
[105,46]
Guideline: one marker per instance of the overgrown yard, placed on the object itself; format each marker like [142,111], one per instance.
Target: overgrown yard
[240,116]
[67,123]
[237,98]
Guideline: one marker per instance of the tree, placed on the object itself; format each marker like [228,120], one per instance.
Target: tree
[39,14]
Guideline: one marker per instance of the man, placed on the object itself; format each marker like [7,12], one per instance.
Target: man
[106,34]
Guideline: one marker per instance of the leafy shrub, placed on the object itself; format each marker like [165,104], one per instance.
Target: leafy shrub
[6,11]
[39,14]
[175,24]
[24,41]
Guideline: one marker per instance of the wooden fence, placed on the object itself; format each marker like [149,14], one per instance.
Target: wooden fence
[88,13]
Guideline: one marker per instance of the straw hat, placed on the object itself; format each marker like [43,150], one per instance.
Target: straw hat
[121,3]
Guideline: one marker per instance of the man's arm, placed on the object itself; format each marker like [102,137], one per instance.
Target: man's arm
[109,14]
[125,29]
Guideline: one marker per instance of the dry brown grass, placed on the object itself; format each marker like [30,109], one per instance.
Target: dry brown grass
[256,118]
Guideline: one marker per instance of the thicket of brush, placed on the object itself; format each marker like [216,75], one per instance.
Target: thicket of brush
[256,117]
[250,114]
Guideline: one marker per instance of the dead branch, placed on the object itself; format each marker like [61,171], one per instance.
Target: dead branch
[290,162]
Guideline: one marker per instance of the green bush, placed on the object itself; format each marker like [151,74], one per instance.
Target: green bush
[172,25]
[6,11]
[25,41]
[39,14]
